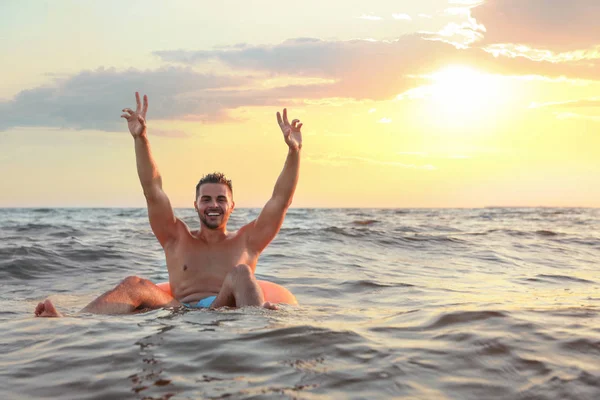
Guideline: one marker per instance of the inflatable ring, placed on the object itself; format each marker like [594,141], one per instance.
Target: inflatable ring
[273,292]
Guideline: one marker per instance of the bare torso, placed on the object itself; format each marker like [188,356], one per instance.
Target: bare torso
[197,268]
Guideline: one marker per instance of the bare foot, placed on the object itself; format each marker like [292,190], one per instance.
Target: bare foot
[270,306]
[46,309]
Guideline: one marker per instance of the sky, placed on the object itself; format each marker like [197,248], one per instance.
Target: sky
[435,103]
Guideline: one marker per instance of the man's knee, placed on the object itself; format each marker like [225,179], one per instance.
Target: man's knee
[137,290]
[242,271]
[132,281]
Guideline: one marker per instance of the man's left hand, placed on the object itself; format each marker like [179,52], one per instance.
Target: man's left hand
[291,132]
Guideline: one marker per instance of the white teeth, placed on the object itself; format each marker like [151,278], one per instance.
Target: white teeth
[213,214]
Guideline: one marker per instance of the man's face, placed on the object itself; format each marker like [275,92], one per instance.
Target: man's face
[214,205]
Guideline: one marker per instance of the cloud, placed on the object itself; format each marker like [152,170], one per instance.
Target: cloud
[570,115]
[361,69]
[372,69]
[460,35]
[466,2]
[94,99]
[556,25]
[333,101]
[291,56]
[401,16]
[307,70]
[591,105]
[593,102]
[513,51]
[460,28]
[370,17]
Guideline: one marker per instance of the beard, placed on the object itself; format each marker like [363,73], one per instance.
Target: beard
[209,224]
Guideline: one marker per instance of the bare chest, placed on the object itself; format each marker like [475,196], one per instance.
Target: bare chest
[194,259]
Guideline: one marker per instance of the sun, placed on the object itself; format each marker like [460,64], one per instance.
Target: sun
[460,94]
[462,89]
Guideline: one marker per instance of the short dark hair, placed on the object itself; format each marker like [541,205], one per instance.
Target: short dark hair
[215,177]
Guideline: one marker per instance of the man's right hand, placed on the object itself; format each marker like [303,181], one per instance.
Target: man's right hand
[136,121]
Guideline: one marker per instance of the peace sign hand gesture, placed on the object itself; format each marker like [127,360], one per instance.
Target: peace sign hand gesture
[291,132]
[136,121]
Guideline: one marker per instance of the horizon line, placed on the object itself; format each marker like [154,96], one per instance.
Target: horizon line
[297,208]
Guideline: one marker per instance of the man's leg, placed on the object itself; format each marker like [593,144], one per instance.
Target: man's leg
[240,289]
[132,294]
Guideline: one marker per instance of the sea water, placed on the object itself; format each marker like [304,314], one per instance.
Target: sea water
[491,303]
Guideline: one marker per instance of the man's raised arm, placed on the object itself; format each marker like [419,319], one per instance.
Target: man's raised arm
[160,212]
[271,217]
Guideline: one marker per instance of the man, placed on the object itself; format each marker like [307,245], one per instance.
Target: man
[210,266]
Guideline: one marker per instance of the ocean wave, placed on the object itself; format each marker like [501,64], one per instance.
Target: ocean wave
[31,227]
[445,320]
[559,279]
[390,238]
[365,222]
[28,262]
[354,233]
[462,317]
[43,229]
[573,386]
[369,285]
[544,232]
[420,304]
[588,241]
[582,345]
[432,239]
[43,210]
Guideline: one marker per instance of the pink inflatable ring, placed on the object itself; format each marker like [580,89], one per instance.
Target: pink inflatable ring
[273,292]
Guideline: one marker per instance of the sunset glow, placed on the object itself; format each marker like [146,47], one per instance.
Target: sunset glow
[459,95]
[491,98]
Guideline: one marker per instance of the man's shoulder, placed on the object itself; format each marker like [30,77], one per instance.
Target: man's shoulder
[181,231]
[237,234]
[182,228]
[242,234]
[246,229]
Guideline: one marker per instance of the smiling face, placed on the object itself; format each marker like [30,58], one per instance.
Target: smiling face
[214,205]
